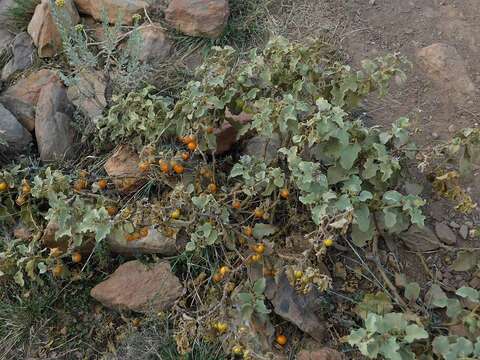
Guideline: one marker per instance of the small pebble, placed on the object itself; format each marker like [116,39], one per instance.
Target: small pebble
[451,128]
[463,231]
[453,224]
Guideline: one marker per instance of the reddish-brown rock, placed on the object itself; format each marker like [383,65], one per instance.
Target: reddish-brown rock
[320,354]
[21,98]
[206,18]
[122,167]
[156,45]
[127,8]
[139,287]
[43,29]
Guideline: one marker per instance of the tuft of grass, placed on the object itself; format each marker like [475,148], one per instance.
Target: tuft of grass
[20,13]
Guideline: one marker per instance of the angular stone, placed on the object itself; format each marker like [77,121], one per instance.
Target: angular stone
[16,136]
[156,45]
[320,354]
[420,238]
[302,310]
[263,148]
[138,287]
[445,66]
[23,55]
[88,93]
[21,98]
[206,18]
[53,128]
[154,243]
[122,167]
[127,8]
[226,136]
[43,29]
[445,234]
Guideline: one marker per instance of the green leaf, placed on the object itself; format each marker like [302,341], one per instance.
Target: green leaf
[348,155]
[360,238]
[469,293]
[390,218]
[260,307]
[259,286]
[245,297]
[18,277]
[465,260]
[415,332]
[190,246]
[261,230]
[412,291]
[392,197]
[362,216]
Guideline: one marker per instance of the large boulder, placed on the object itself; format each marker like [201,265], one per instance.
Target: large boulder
[23,55]
[16,136]
[127,8]
[122,168]
[53,129]
[205,18]
[444,65]
[156,45]
[22,98]
[43,29]
[88,93]
[139,287]
[154,243]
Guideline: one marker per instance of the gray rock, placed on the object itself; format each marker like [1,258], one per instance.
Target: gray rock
[302,310]
[16,136]
[420,238]
[139,287]
[23,55]
[53,128]
[263,148]
[445,234]
[156,45]
[88,93]
[6,38]
[464,231]
[154,243]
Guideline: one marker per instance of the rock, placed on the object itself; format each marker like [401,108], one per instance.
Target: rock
[445,66]
[138,287]
[445,234]
[16,136]
[53,129]
[464,231]
[154,243]
[156,45]
[420,238]
[44,31]
[22,98]
[263,148]
[320,354]
[206,18]
[48,237]
[122,167]
[302,310]
[126,8]
[227,135]
[23,55]
[6,38]
[88,93]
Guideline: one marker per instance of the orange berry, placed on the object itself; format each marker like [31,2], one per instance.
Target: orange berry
[144,232]
[163,166]
[76,257]
[111,210]
[217,278]
[55,252]
[175,214]
[102,184]
[192,146]
[281,340]
[259,213]
[259,249]
[212,188]
[144,166]
[284,193]
[133,236]
[185,156]
[236,204]
[210,130]
[256,257]
[188,139]
[3,186]
[179,169]
[26,187]
[224,270]
[80,184]
[248,231]
[83,173]
[57,270]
